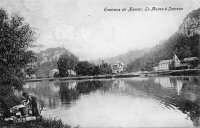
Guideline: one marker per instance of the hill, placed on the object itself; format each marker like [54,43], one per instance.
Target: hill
[124,58]
[47,60]
[51,54]
[184,43]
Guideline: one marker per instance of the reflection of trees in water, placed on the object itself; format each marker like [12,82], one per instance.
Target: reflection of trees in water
[175,92]
[190,98]
[182,93]
[68,94]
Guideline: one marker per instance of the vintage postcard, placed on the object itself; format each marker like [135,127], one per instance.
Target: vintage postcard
[99,63]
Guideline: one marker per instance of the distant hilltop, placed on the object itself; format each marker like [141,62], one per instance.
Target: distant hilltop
[125,58]
[51,54]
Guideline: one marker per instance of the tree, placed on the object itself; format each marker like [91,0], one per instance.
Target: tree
[105,68]
[85,68]
[97,70]
[44,68]
[31,69]
[16,37]
[183,52]
[66,62]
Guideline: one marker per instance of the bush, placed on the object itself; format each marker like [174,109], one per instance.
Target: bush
[44,123]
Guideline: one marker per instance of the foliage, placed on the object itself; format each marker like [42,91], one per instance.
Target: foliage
[44,123]
[85,68]
[45,68]
[31,68]
[97,70]
[47,60]
[16,37]
[105,68]
[66,62]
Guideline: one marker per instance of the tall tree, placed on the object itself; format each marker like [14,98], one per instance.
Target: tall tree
[105,68]
[16,37]
[66,62]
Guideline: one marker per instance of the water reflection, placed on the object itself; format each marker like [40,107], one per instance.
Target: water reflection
[187,98]
[166,95]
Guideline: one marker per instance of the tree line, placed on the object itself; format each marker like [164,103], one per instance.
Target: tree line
[67,62]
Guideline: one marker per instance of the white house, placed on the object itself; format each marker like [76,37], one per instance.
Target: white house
[164,65]
[117,67]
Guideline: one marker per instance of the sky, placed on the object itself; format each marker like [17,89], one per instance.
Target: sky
[86,29]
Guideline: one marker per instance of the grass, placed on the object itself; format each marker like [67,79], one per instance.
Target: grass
[44,123]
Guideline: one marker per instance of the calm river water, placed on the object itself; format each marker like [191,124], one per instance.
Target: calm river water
[129,102]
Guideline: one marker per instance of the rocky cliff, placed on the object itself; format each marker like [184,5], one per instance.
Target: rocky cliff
[191,24]
[51,54]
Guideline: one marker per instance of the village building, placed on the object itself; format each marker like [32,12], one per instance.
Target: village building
[117,67]
[71,72]
[164,65]
[189,62]
[175,64]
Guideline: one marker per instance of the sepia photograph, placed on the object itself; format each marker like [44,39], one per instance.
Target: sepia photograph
[99,63]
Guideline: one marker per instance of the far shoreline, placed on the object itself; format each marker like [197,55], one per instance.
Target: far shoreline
[83,77]
[186,72]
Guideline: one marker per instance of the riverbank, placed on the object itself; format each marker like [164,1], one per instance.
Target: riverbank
[44,123]
[185,72]
[84,77]
[109,76]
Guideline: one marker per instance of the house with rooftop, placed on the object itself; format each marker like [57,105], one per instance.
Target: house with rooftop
[176,64]
[118,67]
[164,64]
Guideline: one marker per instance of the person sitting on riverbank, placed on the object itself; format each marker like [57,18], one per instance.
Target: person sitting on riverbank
[32,104]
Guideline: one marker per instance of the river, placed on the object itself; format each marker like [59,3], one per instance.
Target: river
[125,102]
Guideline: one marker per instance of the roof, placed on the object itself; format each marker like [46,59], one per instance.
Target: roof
[190,59]
[165,61]
[118,62]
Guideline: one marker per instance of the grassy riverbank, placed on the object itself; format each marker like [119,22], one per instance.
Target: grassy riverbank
[44,123]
